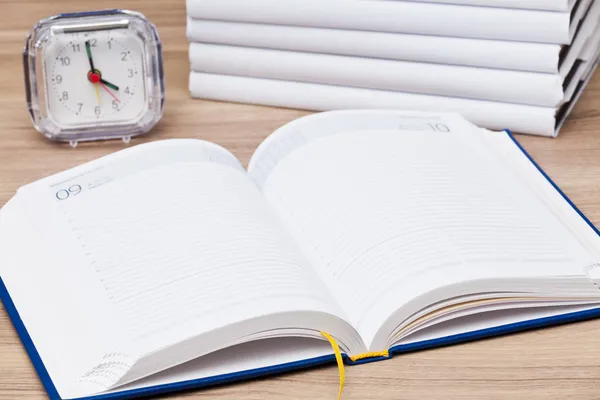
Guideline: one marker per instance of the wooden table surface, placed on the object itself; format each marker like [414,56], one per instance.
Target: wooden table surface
[562,362]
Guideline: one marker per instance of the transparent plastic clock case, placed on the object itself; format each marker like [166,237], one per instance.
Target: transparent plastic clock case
[107,120]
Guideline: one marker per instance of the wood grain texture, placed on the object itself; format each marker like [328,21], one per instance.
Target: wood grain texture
[555,363]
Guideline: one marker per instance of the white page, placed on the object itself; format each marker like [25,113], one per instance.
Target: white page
[185,254]
[398,16]
[183,248]
[424,78]
[388,217]
[546,5]
[54,304]
[518,56]
[546,190]
[318,97]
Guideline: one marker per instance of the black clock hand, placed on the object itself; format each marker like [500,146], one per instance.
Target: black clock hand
[108,84]
[89,54]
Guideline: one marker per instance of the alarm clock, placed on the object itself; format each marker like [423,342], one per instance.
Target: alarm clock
[94,76]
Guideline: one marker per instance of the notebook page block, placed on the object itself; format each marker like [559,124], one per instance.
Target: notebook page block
[239,359]
[388,216]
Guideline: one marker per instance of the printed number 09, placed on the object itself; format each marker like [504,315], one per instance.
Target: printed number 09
[66,193]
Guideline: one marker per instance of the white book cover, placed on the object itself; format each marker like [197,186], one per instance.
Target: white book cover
[498,54]
[435,79]
[519,56]
[547,5]
[401,17]
[317,97]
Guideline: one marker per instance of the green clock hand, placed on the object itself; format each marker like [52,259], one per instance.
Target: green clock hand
[96,77]
[89,54]
[108,84]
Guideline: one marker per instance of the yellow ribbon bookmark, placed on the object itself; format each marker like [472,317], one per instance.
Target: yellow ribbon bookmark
[370,355]
[340,361]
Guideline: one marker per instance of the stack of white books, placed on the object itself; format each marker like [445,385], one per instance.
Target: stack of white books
[502,64]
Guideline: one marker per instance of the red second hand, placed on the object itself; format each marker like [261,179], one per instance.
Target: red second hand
[109,92]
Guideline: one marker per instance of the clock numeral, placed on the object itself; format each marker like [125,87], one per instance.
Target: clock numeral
[93,42]
[127,90]
[65,61]
[115,105]
[76,48]
[58,78]
[109,44]
[97,110]
[130,73]
[79,107]
[65,95]
[124,56]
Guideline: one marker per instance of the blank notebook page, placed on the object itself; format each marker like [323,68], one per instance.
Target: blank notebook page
[188,248]
[387,216]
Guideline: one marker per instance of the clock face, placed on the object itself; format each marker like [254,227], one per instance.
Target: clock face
[94,78]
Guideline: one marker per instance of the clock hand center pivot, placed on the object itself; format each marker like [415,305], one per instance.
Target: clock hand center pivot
[95,76]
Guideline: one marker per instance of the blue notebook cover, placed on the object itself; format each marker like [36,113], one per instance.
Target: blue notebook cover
[303,364]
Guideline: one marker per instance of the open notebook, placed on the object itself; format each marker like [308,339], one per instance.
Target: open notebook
[167,266]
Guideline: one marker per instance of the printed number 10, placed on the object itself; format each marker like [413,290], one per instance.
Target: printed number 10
[440,128]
